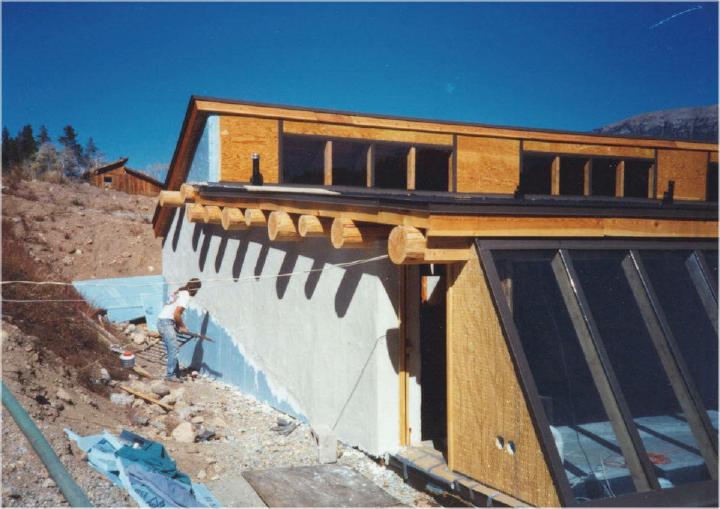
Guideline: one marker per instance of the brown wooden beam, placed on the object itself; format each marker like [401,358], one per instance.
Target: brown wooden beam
[170,199]
[233,218]
[555,176]
[620,179]
[587,178]
[282,227]
[408,245]
[345,233]
[370,165]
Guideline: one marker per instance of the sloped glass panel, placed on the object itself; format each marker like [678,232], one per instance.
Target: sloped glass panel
[588,447]
[688,320]
[666,435]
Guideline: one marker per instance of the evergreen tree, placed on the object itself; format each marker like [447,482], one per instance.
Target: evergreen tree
[25,143]
[43,136]
[69,140]
[9,152]
[92,156]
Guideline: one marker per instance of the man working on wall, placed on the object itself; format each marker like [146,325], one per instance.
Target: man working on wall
[170,322]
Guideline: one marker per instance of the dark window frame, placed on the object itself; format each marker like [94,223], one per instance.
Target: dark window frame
[696,493]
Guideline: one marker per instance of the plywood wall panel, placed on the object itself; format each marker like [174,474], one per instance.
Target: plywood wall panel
[485,400]
[487,165]
[687,168]
[713,157]
[591,150]
[240,137]
[366,133]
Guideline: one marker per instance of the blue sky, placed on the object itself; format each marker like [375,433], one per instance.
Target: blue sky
[123,72]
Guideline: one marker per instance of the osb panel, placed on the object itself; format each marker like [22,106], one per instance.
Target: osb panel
[591,150]
[366,133]
[487,165]
[485,399]
[240,137]
[713,157]
[687,168]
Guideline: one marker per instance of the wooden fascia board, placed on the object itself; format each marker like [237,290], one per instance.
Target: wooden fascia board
[221,107]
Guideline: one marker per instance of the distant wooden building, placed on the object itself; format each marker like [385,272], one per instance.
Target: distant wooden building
[119,177]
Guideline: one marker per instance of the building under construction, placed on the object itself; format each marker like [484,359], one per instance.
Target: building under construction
[522,314]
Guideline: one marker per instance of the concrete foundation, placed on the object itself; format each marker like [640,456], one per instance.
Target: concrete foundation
[321,345]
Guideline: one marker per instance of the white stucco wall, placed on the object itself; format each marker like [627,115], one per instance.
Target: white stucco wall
[326,341]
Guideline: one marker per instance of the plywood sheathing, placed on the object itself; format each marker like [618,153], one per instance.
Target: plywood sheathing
[240,138]
[687,168]
[588,149]
[488,164]
[484,397]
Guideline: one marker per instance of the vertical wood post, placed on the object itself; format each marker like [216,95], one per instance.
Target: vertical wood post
[327,180]
[652,176]
[412,154]
[587,178]
[555,176]
[370,165]
[620,179]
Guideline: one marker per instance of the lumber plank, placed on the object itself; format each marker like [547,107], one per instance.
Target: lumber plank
[687,168]
[146,397]
[589,149]
[366,133]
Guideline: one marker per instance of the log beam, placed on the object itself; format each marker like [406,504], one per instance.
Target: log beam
[233,218]
[170,199]
[346,233]
[195,213]
[188,192]
[213,215]
[314,226]
[255,218]
[408,245]
[282,227]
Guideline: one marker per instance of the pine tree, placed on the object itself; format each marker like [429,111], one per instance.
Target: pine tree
[9,151]
[72,155]
[46,159]
[43,136]
[25,143]
[92,156]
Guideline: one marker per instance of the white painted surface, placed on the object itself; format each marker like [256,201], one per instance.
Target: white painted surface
[327,341]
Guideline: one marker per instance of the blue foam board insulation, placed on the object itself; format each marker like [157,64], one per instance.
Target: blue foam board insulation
[223,360]
[126,298]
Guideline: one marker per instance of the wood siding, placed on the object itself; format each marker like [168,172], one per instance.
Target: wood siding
[125,182]
[487,165]
[590,150]
[687,168]
[484,397]
[240,137]
[366,133]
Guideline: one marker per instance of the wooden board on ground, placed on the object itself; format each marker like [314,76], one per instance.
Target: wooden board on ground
[317,486]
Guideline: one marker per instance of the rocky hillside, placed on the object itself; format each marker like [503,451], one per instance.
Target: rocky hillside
[696,124]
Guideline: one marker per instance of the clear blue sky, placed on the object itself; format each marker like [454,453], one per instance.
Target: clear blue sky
[122,73]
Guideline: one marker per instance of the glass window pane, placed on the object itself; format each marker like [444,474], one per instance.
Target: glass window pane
[603,176]
[688,320]
[711,259]
[666,435]
[586,442]
[349,161]
[391,166]
[303,160]
[535,174]
[432,167]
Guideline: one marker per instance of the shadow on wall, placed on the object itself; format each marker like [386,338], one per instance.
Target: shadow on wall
[346,288]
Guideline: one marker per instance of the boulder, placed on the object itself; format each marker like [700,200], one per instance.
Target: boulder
[160,389]
[197,419]
[130,328]
[138,338]
[184,433]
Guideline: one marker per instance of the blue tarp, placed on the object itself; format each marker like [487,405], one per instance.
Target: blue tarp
[144,469]
[126,298]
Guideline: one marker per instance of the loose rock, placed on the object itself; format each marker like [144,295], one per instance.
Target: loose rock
[184,433]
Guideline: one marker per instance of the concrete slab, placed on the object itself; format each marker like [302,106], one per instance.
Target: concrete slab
[232,490]
[317,486]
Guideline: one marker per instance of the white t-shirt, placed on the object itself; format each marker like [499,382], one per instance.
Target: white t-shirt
[179,299]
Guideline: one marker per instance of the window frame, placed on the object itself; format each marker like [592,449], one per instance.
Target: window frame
[648,491]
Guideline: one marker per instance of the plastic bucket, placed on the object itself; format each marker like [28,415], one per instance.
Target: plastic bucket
[127,359]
